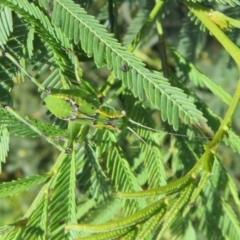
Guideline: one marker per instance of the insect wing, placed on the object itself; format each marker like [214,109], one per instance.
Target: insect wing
[86,102]
[71,104]
[61,108]
[108,117]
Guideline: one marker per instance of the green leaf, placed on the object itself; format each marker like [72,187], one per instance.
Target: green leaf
[20,185]
[170,188]
[36,223]
[229,222]
[6,25]
[63,202]
[175,209]
[4,144]
[118,224]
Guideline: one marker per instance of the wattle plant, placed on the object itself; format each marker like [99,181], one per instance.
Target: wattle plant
[139,154]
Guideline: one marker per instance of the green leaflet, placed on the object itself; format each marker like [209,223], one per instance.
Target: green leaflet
[20,185]
[167,189]
[175,209]
[125,222]
[37,221]
[131,235]
[107,235]
[62,204]
[197,191]
[151,224]
[4,144]
[199,78]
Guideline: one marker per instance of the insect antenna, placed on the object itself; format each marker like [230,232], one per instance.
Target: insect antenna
[161,131]
[138,136]
[147,144]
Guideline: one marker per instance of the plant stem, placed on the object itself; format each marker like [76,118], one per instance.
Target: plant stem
[227,121]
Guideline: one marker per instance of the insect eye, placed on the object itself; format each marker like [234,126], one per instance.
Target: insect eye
[124,68]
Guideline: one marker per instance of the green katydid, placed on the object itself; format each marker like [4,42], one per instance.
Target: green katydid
[80,106]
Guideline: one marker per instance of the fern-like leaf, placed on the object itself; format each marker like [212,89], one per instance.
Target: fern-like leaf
[175,209]
[18,128]
[93,176]
[6,25]
[214,218]
[48,34]
[150,152]
[4,144]
[123,178]
[148,228]
[20,185]
[36,223]
[13,234]
[63,202]
[229,222]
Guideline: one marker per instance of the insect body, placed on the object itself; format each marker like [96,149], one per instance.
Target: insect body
[80,106]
